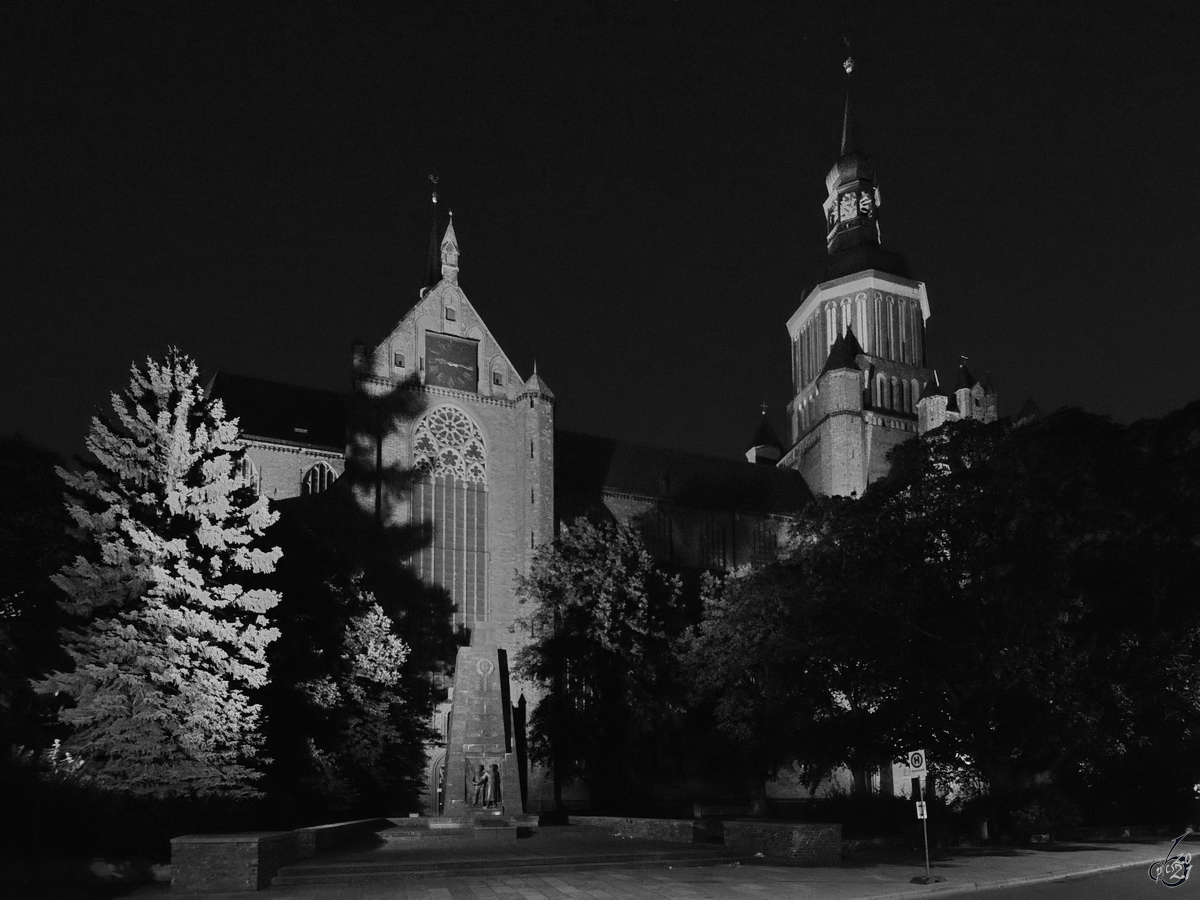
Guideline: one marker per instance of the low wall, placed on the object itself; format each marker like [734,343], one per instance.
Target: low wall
[230,862]
[679,831]
[247,861]
[802,843]
[682,831]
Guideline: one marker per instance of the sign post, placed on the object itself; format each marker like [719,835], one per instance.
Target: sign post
[917,769]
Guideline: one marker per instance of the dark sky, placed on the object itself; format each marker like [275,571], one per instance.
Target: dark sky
[637,192]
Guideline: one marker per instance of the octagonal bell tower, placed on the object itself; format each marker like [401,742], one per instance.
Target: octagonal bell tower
[857,339]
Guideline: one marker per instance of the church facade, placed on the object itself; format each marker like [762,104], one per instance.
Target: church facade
[462,446]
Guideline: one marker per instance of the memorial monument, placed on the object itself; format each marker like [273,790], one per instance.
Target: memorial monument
[482,733]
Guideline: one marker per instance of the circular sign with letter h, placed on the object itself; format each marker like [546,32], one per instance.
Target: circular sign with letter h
[916,762]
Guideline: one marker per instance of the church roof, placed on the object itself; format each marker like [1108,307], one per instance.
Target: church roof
[855,259]
[965,379]
[537,384]
[585,467]
[844,353]
[1029,410]
[277,411]
[765,435]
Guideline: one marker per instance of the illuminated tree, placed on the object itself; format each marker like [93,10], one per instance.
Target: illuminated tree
[170,640]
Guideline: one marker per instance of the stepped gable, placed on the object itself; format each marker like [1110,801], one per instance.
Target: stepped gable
[276,411]
[586,466]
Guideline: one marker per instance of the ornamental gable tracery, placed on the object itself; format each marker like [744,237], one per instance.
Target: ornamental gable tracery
[447,442]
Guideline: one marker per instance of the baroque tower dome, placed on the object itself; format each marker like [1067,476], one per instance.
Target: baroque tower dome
[852,204]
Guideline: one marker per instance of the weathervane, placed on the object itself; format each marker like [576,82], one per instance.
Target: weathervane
[433,179]
[848,65]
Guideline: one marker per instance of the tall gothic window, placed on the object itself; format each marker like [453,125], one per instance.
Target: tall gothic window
[247,474]
[317,479]
[450,498]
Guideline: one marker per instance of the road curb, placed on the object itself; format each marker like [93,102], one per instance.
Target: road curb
[947,889]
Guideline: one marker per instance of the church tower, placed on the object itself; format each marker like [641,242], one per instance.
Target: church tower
[857,339]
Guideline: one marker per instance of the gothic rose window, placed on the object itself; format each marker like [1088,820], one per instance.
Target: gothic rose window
[446,442]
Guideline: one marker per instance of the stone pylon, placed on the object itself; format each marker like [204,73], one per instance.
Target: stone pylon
[481,731]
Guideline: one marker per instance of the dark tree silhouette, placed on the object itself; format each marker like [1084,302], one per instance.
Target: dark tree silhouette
[356,749]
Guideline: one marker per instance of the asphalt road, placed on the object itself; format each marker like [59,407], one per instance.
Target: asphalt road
[1127,884]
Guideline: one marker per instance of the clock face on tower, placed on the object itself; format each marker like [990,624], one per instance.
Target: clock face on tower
[451,362]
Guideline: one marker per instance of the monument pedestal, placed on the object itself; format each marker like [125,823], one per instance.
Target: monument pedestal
[481,739]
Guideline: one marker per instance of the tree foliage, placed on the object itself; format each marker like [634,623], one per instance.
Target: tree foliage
[33,546]
[169,642]
[1015,599]
[343,679]
[343,743]
[600,619]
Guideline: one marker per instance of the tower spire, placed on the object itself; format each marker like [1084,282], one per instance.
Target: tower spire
[847,124]
[852,206]
[433,268]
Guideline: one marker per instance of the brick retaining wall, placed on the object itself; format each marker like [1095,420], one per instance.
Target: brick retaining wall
[803,843]
[249,860]
[229,862]
[681,831]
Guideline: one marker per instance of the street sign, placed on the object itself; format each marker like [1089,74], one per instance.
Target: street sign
[921,814]
[916,763]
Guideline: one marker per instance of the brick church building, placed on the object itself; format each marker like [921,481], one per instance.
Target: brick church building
[493,478]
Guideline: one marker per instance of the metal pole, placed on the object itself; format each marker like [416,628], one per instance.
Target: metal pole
[924,827]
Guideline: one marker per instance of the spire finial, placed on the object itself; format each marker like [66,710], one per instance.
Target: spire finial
[847,127]
[433,269]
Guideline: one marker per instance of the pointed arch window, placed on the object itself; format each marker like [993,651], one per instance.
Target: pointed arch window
[317,479]
[247,473]
[450,501]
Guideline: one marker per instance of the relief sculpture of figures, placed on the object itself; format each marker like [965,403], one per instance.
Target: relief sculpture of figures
[493,786]
[480,782]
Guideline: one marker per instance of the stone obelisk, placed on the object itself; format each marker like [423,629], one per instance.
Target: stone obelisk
[481,733]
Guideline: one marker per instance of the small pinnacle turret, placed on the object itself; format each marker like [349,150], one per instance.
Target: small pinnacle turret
[844,353]
[450,253]
[765,447]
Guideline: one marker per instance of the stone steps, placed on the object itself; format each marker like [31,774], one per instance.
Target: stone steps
[335,872]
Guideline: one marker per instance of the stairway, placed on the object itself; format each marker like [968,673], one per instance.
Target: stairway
[414,851]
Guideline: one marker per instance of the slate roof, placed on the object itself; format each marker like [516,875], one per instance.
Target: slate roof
[765,436]
[585,466]
[277,411]
[852,260]
[844,353]
[965,379]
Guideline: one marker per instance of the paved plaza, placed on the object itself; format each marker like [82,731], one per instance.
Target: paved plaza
[867,874]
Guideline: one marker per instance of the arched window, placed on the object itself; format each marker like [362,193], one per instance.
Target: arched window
[860,328]
[450,499]
[247,474]
[317,479]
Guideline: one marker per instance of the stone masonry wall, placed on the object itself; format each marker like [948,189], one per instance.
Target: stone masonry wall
[811,844]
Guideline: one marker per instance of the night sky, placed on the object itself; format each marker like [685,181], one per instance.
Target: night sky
[636,190]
